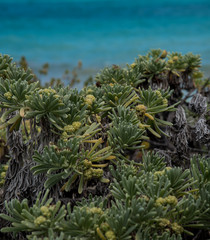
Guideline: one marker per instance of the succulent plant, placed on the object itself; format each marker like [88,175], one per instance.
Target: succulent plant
[5,61]
[103,154]
[64,162]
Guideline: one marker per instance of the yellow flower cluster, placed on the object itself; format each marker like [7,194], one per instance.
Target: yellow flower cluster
[133,65]
[65,136]
[177,228]
[93,173]
[8,95]
[116,98]
[160,173]
[158,93]
[89,99]
[39,220]
[71,128]
[3,174]
[76,125]
[175,58]
[98,118]
[2,182]
[145,145]
[5,167]
[95,210]
[165,101]
[48,91]
[164,222]
[170,61]
[197,74]
[45,211]
[87,163]
[88,173]
[141,108]
[89,90]
[110,235]
[163,54]
[172,200]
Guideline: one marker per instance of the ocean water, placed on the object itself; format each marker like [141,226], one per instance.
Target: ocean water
[101,32]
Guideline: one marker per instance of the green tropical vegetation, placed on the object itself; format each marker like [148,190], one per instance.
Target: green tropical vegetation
[127,157]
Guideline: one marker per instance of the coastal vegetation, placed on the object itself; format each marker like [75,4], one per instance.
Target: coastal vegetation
[127,157]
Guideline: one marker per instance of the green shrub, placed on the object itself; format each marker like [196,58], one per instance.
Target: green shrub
[115,161]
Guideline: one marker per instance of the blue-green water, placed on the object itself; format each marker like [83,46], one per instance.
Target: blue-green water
[101,33]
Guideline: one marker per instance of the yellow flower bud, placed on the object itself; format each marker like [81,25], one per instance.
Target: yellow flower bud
[76,125]
[65,135]
[98,118]
[96,210]
[158,93]
[172,200]
[5,167]
[160,201]
[197,74]
[141,108]
[8,95]
[3,174]
[145,145]
[45,211]
[164,54]
[87,163]
[89,91]
[2,182]
[165,101]
[159,173]
[175,58]
[110,235]
[69,128]
[177,228]
[88,174]
[39,220]
[89,99]
[97,173]
[133,65]
[163,222]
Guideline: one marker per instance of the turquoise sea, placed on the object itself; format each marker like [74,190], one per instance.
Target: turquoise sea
[101,32]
